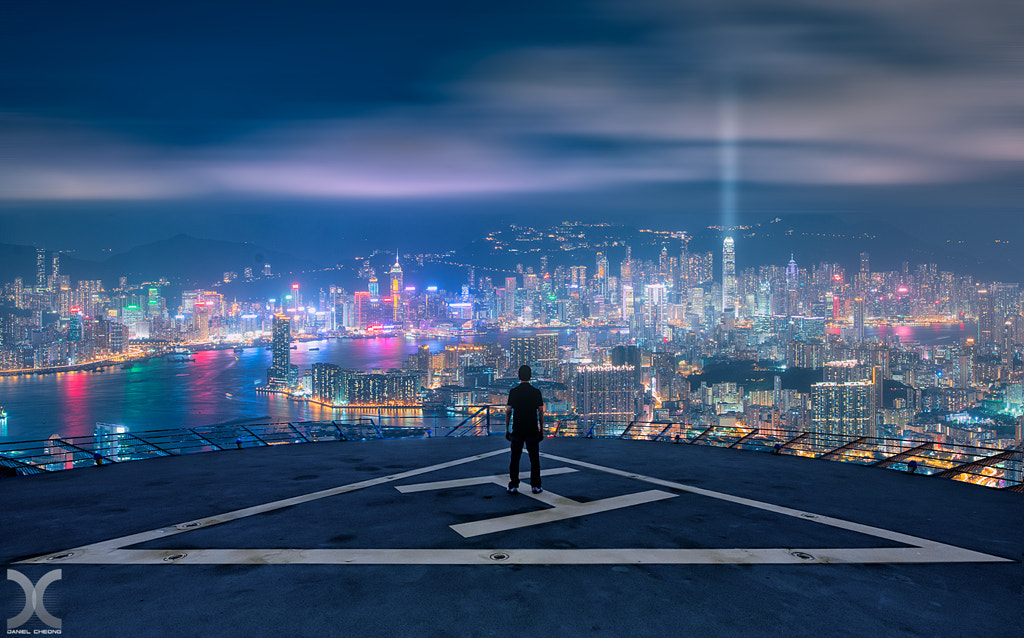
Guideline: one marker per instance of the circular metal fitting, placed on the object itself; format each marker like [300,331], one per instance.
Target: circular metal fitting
[499,556]
[173,557]
[802,555]
[62,556]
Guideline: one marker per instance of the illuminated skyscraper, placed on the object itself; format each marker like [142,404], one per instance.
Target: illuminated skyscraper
[40,269]
[602,275]
[986,319]
[54,281]
[540,350]
[397,291]
[729,291]
[626,269]
[655,302]
[605,393]
[578,276]
[362,310]
[684,266]
[627,301]
[510,297]
[792,287]
[278,373]
[326,380]
[843,408]
[858,318]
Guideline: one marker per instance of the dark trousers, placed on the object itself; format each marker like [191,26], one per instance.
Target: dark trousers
[533,449]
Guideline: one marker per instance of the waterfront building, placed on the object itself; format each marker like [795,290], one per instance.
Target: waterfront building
[397,292]
[392,388]
[362,310]
[325,382]
[280,369]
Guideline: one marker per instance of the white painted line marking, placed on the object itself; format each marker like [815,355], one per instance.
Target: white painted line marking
[637,556]
[500,479]
[563,509]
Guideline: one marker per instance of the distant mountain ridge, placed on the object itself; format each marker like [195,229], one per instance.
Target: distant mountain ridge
[181,258]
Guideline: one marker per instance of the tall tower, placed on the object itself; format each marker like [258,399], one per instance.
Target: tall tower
[40,268]
[280,365]
[729,291]
[397,290]
[792,286]
[602,276]
[626,268]
[684,266]
[54,281]
[986,318]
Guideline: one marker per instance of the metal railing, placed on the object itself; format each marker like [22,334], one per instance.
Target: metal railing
[991,467]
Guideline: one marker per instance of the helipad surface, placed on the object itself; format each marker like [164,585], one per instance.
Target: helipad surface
[419,537]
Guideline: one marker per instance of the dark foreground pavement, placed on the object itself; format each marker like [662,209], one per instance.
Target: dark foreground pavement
[648,539]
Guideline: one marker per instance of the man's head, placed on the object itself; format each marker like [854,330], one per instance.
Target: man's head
[525,373]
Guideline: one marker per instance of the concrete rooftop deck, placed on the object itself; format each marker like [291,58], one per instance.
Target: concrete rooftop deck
[416,538]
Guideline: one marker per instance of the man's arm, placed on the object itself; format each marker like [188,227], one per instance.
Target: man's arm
[540,418]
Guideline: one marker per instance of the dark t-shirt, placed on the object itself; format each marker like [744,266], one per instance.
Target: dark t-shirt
[525,399]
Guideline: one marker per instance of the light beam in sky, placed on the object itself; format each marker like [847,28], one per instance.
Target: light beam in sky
[728,138]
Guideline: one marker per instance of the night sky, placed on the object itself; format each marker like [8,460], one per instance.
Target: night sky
[174,114]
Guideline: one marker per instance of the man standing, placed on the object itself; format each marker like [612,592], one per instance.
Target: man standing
[525,411]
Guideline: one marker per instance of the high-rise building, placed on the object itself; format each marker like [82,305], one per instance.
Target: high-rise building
[628,356]
[393,388]
[510,297]
[626,269]
[858,319]
[627,302]
[730,303]
[683,281]
[539,350]
[362,310]
[326,379]
[843,408]
[986,319]
[40,269]
[602,275]
[397,291]
[792,287]
[279,372]
[605,393]
[54,281]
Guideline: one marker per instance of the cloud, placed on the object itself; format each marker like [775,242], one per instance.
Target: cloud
[875,93]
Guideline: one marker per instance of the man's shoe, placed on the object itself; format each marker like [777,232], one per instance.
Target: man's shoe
[538,490]
[512,490]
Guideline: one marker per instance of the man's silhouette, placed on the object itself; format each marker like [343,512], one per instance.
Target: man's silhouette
[525,412]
